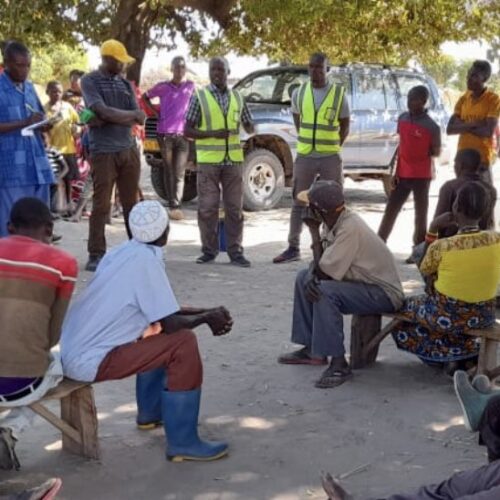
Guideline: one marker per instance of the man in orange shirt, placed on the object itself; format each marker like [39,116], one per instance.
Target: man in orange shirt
[476,117]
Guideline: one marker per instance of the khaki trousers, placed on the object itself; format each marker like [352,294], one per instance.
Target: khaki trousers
[211,179]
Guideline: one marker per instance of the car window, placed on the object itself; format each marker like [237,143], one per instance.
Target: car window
[391,94]
[369,92]
[259,88]
[343,78]
[288,83]
[407,82]
[276,87]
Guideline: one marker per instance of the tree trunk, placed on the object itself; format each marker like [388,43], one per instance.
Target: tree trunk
[132,25]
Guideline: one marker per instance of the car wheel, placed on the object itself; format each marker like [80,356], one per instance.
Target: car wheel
[157,180]
[263,180]
[190,191]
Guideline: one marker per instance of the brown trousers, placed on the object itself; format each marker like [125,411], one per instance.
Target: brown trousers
[122,168]
[176,352]
[210,180]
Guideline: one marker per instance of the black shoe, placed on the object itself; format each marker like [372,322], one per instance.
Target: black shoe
[240,261]
[93,262]
[289,255]
[205,258]
[56,238]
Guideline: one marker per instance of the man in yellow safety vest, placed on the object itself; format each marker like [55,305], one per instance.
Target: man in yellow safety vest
[321,116]
[213,119]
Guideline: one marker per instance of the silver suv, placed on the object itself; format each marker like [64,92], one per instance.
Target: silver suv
[377,96]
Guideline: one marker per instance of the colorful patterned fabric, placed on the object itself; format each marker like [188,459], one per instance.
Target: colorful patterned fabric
[22,159]
[467,265]
[436,326]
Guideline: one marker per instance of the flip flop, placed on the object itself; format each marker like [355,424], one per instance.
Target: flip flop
[333,377]
[301,357]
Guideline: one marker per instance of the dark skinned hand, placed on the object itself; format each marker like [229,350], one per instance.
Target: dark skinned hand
[312,223]
[35,118]
[313,293]
[219,321]
[220,134]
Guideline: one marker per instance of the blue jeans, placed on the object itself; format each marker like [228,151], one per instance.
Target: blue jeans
[9,195]
[320,325]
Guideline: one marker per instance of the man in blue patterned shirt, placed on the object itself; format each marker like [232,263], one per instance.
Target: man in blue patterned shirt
[24,168]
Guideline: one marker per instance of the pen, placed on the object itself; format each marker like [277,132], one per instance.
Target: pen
[31,108]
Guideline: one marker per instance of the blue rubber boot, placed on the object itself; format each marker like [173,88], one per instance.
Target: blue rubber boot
[148,388]
[180,419]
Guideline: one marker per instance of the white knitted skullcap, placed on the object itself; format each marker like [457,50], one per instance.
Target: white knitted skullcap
[148,221]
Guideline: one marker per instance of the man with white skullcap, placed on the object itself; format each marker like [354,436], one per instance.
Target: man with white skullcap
[353,272]
[127,321]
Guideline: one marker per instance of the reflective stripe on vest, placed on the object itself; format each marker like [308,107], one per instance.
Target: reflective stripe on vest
[212,150]
[319,130]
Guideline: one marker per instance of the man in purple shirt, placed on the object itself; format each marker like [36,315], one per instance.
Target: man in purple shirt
[174,100]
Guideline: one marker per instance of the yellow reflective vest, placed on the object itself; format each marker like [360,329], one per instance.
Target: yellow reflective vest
[319,130]
[212,150]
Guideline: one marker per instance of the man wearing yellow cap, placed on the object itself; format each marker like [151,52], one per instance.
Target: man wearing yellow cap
[114,157]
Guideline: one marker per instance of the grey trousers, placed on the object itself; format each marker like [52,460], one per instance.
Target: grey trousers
[476,484]
[320,325]
[210,180]
[174,152]
[305,170]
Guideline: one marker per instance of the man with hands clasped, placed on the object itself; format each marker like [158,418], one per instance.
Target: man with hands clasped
[127,322]
[353,272]
[214,119]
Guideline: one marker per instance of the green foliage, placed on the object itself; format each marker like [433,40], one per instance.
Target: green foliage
[38,22]
[390,31]
[443,69]
[55,61]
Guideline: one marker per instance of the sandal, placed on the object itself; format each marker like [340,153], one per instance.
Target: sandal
[333,377]
[301,357]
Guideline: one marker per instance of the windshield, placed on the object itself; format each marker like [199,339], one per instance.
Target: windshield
[273,88]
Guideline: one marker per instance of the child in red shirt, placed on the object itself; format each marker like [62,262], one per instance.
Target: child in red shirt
[419,141]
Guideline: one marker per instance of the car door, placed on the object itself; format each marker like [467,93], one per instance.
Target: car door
[374,117]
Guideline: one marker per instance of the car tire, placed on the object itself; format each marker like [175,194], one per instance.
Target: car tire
[263,180]
[157,181]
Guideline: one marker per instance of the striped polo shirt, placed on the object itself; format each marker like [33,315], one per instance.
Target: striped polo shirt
[115,92]
[36,283]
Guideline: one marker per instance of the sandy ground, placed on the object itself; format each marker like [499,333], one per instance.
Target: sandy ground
[395,426]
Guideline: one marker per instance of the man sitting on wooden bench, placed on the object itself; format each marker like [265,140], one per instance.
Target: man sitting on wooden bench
[353,272]
[36,283]
[103,337]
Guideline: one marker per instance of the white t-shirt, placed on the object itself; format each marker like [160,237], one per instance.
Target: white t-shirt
[130,290]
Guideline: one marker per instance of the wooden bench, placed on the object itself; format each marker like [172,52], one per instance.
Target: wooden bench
[78,420]
[367,334]
[489,338]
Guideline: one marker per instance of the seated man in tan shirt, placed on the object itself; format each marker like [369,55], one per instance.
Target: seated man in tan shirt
[353,272]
